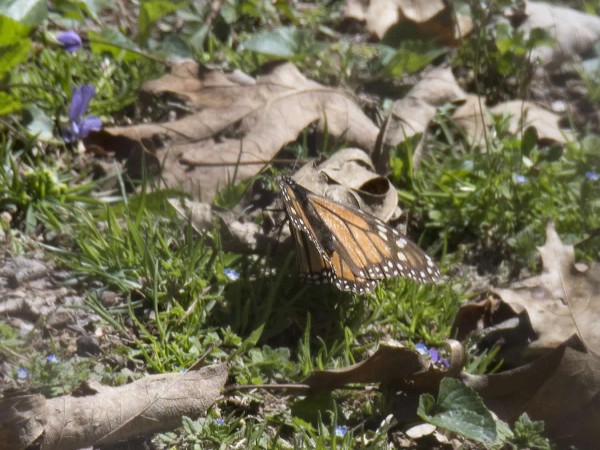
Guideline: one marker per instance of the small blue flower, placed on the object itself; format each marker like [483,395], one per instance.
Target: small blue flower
[81,126]
[422,349]
[70,40]
[592,176]
[231,274]
[219,421]
[341,430]
[521,179]
[22,373]
[432,353]
[52,359]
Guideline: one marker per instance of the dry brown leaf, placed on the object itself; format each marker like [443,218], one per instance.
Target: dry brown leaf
[107,415]
[564,299]
[526,114]
[574,32]
[237,127]
[483,316]
[349,177]
[437,87]
[561,388]
[393,364]
[412,114]
[434,17]
[472,115]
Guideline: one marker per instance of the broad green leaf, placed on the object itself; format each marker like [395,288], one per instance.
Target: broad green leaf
[529,140]
[95,7]
[38,123]
[313,407]
[173,46]
[251,341]
[503,432]
[14,44]
[111,41]
[197,39]
[458,409]
[150,13]
[283,42]
[411,58]
[29,12]
[229,13]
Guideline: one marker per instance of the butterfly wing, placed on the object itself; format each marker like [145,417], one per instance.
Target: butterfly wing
[313,266]
[346,246]
[372,249]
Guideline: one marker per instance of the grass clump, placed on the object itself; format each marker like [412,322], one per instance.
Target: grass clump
[495,204]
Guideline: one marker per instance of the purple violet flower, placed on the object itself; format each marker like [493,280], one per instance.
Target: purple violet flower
[81,126]
[52,358]
[435,356]
[70,40]
[432,353]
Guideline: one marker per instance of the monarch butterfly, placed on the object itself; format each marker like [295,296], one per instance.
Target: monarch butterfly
[347,247]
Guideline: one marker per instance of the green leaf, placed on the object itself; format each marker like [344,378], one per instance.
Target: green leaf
[38,123]
[173,46]
[313,407]
[9,104]
[283,42]
[460,410]
[530,138]
[150,13]
[503,433]
[29,12]
[411,57]
[111,41]
[14,43]
[229,13]
[95,7]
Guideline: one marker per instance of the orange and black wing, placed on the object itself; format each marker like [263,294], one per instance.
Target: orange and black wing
[372,249]
[347,247]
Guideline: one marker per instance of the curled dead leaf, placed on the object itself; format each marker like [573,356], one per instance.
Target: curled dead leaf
[400,367]
[349,177]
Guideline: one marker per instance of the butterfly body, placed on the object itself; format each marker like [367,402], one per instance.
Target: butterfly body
[347,247]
